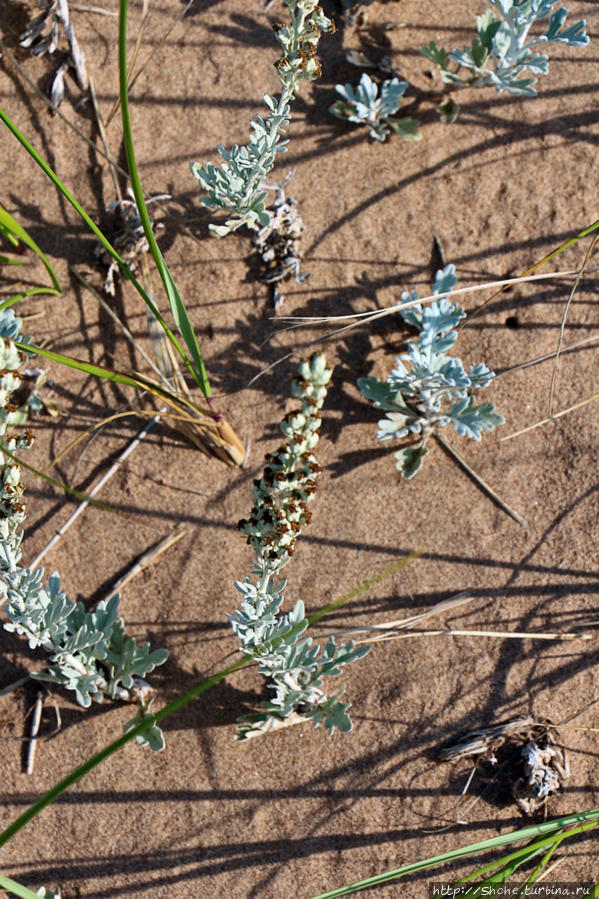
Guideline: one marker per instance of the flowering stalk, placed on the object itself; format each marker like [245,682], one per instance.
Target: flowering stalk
[236,185]
[294,666]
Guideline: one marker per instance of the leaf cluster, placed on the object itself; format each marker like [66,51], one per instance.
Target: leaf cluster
[89,652]
[295,667]
[428,389]
[501,53]
[365,106]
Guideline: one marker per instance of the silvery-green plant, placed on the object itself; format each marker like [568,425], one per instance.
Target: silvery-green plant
[236,186]
[89,652]
[502,51]
[433,389]
[364,106]
[294,665]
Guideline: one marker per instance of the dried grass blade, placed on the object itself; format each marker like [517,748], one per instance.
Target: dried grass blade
[502,635]
[445,605]
[563,321]
[544,421]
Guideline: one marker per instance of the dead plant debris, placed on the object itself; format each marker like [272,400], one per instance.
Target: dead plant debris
[522,753]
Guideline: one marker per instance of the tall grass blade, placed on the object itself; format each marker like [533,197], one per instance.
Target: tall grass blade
[110,374]
[9,225]
[16,888]
[101,237]
[178,309]
[544,833]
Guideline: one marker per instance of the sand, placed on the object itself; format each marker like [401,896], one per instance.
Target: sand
[297,812]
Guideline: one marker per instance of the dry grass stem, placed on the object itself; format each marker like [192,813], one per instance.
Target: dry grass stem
[446,605]
[546,356]
[391,310]
[33,732]
[544,421]
[502,635]
[105,477]
[563,321]
[97,10]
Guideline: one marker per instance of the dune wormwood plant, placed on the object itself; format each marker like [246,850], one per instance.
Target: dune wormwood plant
[294,665]
[89,651]
[502,51]
[415,398]
[364,106]
[236,186]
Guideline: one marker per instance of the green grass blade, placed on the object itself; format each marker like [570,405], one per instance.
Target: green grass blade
[34,291]
[502,875]
[113,747]
[567,243]
[16,888]
[151,720]
[106,507]
[540,844]
[109,374]
[178,309]
[10,260]
[94,228]
[11,225]
[545,860]
[545,831]
[362,588]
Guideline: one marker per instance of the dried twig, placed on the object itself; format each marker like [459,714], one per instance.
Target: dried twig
[33,732]
[10,688]
[478,480]
[533,765]
[105,477]
[147,558]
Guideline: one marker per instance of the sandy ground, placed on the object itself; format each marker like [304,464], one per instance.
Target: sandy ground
[298,812]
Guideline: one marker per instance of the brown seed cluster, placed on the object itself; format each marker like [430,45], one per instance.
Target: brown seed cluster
[304,59]
[288,482]
[280,507]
